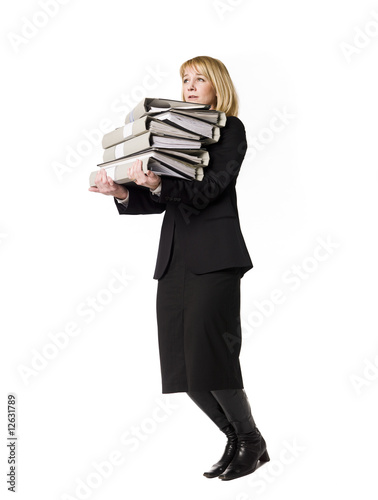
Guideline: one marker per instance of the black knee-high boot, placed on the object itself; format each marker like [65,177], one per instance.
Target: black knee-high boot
[209,405]
[251,446]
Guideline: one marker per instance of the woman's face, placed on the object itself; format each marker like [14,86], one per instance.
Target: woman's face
[197,88]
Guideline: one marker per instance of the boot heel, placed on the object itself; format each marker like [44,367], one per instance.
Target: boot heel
[264,457]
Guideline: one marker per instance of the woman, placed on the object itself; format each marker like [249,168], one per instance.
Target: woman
[201,258]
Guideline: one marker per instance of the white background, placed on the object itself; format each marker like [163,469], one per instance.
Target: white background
[308,362]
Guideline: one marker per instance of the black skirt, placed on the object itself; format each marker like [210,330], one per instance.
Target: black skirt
[199,332]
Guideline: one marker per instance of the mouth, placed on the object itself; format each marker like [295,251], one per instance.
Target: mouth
[192,97]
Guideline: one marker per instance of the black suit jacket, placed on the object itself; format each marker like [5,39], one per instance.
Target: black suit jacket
[204,213]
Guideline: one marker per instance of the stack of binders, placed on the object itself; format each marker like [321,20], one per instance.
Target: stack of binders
[169,137]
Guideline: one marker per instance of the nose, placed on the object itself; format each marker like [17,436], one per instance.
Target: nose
[190,86]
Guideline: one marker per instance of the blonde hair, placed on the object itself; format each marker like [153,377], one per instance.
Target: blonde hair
[216,72]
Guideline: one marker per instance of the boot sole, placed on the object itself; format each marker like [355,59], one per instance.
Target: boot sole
[264,458]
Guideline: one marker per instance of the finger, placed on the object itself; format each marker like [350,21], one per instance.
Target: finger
[100,177]
[130,171]
[136,167]
[104,177]
[152,176]
[133,171]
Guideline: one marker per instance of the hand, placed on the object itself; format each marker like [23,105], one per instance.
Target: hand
[106,185]
[149,179]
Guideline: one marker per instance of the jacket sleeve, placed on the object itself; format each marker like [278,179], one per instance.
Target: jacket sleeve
[226,157]
[141,201]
